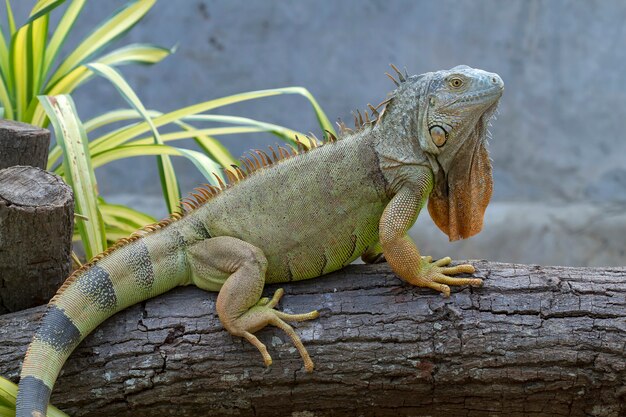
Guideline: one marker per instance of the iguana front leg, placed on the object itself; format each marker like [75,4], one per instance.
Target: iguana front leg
[402,254]
[242,311]
[374,255]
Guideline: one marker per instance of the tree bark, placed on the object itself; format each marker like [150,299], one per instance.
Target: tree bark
[36,225]
[23,144]
[533,341]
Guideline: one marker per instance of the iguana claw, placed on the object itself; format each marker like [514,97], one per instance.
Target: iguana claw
[435,275]
[263,314]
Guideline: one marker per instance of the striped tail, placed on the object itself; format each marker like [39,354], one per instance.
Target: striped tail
[133,271]
[53,342]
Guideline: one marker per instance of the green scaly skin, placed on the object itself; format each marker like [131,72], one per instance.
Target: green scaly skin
[296,218]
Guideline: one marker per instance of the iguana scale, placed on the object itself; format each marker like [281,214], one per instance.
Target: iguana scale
[294,214]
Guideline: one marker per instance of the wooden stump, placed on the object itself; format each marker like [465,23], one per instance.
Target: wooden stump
[36,225]
[533,341]
[22,144]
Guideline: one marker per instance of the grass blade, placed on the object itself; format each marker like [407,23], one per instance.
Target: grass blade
[169,183]
[78,170]
[115,26]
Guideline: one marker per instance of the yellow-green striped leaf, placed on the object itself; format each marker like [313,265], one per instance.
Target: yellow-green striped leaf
[20,70]
[204,164]
[115,116]
[180,114]
[5,101]
[134,219]
[135,53]
[78,170]
[10,18]
[43,7]
[4,57]
[37,42]
[118,24]
[60,34]
[211,146]
[169,183]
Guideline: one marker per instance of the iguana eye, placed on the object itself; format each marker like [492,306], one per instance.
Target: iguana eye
[456,82]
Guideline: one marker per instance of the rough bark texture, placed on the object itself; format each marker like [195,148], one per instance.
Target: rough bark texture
[534,341]
[23,144]
[36,224]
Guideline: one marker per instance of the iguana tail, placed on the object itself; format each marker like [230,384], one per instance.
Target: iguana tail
[139,268]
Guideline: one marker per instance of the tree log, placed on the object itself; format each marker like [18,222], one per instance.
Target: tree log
[36,225]
[533,341]
[23,144]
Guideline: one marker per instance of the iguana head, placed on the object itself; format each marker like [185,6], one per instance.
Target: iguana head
[448,113]
[454,113]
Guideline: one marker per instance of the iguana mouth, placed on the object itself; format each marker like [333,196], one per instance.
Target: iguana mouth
[478,95]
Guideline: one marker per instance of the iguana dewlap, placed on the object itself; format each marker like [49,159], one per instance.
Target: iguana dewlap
[293,215]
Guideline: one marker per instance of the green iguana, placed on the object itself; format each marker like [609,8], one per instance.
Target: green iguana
[289,215]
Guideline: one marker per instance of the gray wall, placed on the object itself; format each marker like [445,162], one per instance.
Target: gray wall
[559,150]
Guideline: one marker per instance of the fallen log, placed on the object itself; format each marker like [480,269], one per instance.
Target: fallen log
[533,341]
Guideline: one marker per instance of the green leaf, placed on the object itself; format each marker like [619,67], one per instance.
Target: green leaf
[115,116]
[60,34]
[204,164]
[182,114]
[114,27]
[4,58]
[37,41]
[78,170]
[10,19]
[124,218]
[169,183]
[43,7]
[211,146]
[322,119]
[187,134]
[135,53]
[20,70]
[284,133]
[5,100]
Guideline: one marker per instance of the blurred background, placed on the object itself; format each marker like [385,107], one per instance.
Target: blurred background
[558,147]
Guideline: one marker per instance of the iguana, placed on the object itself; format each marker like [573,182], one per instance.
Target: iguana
[293,214]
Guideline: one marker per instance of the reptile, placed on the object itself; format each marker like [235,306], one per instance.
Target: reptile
[295,213]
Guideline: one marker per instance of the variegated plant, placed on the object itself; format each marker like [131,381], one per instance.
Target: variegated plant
[29,64]
[80,156]
[28,71]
